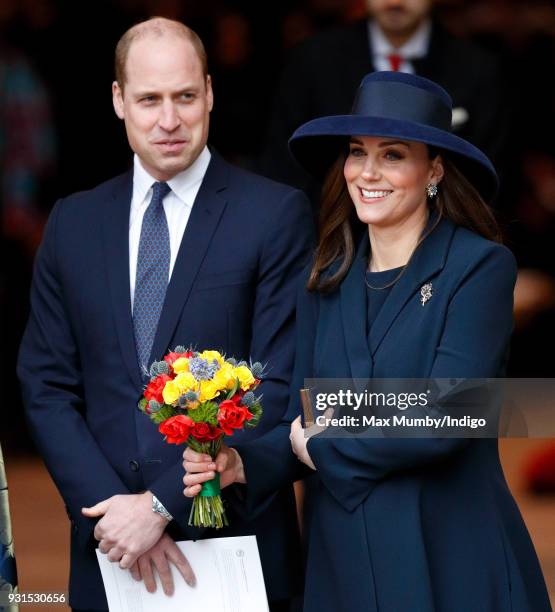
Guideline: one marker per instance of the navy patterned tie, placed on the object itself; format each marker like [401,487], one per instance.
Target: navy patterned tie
[153,267]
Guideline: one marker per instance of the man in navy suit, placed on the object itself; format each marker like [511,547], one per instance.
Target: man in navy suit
[184,249]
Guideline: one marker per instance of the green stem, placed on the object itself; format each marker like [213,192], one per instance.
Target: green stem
[208,508]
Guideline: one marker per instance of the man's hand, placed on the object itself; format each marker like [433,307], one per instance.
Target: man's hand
[128,527]
[199,468]
[159,557]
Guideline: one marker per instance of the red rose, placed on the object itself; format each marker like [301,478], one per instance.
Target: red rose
[171,356]
[231,415]
[177,429]
[203,432]
[155,387]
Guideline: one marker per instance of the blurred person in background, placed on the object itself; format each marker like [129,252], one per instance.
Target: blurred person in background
[27,143]
[236,68]
[399,35]
[532,233]
[28,160]
[8,571]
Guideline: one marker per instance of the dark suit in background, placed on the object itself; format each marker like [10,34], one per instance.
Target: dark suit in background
[323,72]
[232,288]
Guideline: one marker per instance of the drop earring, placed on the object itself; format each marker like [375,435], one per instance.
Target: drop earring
[431,190]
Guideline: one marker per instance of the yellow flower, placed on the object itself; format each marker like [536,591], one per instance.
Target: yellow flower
[185,381]
[208,390]
[211,355]
[246,379]
[181,365]
[171,392]
[224,377]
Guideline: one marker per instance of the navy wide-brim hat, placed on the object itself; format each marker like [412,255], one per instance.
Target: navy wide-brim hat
[394,105]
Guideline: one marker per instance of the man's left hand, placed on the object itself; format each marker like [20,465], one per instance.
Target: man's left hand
[159,558]
[128,526]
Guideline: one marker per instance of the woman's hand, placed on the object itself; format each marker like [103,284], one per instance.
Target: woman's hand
[200,468]
[298,443]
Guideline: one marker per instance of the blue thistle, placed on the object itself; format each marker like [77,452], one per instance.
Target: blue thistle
[232,361]
[157,368]
[202,369]
[257,369]
[192,396]
[248,399]
[160,367]
[154,406]
[242,363]
[179,349]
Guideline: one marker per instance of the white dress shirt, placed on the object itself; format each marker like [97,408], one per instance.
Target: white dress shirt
[177,206]
[415,48]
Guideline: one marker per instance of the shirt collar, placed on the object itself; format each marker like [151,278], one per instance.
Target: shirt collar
[184,185]
[416,47]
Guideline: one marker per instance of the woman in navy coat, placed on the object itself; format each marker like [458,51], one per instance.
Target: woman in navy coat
[398,525]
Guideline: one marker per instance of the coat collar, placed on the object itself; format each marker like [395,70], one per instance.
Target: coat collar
[428,259]
[205,215]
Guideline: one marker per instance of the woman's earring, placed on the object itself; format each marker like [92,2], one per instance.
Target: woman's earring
[431,190]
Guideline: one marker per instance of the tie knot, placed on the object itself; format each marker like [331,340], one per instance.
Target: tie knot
[395,61]
[159,191]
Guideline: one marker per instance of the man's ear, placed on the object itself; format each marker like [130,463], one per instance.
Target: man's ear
[117,99]
[209,93]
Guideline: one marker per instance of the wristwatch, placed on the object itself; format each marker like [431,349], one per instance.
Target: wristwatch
[159,508]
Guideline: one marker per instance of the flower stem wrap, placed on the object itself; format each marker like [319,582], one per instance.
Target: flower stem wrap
[208,508]
[211,488]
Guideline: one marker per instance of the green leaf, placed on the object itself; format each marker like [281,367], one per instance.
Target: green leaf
[143,403]
[256,410]
[207,412]
[165,413]
[234,389]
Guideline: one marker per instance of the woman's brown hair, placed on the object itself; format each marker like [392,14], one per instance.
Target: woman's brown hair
[457,200]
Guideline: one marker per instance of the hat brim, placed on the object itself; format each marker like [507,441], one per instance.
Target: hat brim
[317,144]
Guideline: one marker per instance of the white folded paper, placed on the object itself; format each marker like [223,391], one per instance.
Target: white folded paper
[229,579]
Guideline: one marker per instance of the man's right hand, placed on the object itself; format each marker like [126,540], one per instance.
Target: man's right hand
[159,557]
[200,468]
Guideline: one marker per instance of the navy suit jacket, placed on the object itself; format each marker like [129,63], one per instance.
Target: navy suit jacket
[233,288]
[426,525]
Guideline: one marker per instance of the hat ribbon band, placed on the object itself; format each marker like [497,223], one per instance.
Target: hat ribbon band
[404,102]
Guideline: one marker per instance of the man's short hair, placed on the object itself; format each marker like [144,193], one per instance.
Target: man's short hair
[156,27]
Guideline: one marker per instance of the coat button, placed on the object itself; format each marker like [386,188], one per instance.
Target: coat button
[134,465]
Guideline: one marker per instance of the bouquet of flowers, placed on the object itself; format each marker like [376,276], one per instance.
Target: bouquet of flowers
[196,398]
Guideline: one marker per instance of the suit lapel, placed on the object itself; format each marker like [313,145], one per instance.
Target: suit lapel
[203,221]
[116,243]
[427,260]
[354,313]
[361,51]
[369,47]
[431,65]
